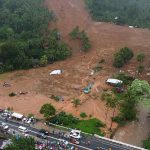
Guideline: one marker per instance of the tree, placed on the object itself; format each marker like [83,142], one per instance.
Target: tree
[27,41]
[113,104]
[140,57]
[108,99]
[140,69]
[81,35]
[122,57]
[76,102]
[139,91]
[83,115]
[75,33]
[65,119]
[47,110]
[128,107]
[146,143]
[118,61]
[12,54]
[6,33]
[127,12]
[126,53]
[21,143]
[43,60]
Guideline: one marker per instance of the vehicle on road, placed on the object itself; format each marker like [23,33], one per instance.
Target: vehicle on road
[5,115]
[41,136]
[43,131]
[74,141]
[4,126]
[63,141]
[22,129]
[76,134]
[72,148]
[26,135]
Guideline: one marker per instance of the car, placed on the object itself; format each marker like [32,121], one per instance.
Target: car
[26,135]
[4,126]
[119,89]
[4,114]
[76,134]
[22,129]
[41,136]
[28,120]
[72,148]
[63,141]
[45,132]
[74,141]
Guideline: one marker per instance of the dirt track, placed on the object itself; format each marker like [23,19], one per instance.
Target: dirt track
[105,38]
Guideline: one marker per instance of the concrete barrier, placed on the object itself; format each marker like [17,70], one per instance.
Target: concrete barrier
[118,142]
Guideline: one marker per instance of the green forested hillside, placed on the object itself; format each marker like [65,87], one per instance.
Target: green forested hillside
[131,12]
[25,40]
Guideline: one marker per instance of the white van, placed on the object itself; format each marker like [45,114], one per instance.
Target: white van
[22,129]
[114,82]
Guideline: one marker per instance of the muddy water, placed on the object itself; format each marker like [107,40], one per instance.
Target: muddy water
[135,132]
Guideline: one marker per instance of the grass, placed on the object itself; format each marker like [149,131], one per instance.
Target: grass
[91,126]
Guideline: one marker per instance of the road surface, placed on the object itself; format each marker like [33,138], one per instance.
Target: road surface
[95,142]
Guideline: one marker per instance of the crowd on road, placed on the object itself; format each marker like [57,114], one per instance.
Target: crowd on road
[16,124]
[64,139]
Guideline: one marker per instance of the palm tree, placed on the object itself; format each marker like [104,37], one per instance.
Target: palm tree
[108,100]
[113,104]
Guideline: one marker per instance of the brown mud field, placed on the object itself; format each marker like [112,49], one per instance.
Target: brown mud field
[105,38]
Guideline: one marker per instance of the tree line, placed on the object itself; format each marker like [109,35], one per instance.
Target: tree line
[25,40]
[135,12]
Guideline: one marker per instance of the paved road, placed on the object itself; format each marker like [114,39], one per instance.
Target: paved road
[103,144]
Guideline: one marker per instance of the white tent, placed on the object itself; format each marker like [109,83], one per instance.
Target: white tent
[55,72]
[17,116]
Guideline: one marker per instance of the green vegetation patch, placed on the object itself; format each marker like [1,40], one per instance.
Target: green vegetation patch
[21,143]
[131,12]
[122,57]
[48,110]
[83,115]
[146,143]
[91,126]
[81,35]
[25,39]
